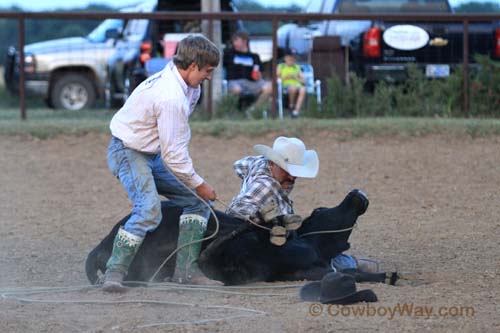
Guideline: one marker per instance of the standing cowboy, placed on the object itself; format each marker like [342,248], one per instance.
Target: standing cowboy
[149,154]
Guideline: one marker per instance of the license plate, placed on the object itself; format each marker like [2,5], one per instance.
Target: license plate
[437,70]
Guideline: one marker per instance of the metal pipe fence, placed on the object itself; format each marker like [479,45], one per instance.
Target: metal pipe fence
[274,17]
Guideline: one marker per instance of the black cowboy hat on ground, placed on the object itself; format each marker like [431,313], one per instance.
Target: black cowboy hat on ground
[335,288]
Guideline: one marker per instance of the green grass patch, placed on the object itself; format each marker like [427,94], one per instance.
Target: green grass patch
[352,128]
[46,123]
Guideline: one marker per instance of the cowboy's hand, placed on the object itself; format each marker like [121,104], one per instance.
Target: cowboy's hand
[206,192]
[268,212]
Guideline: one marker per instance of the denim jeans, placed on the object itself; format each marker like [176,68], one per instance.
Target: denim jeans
[144,177]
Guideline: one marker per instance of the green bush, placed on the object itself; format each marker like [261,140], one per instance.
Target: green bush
[485,89]
[418,96]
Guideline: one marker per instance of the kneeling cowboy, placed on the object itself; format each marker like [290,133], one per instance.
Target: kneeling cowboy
[268,179]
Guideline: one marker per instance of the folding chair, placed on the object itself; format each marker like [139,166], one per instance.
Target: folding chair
[313,87]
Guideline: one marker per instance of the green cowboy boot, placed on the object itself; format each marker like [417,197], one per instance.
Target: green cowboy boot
[125,246]
[191,229]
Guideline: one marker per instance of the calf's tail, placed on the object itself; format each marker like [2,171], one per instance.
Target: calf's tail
[92,266]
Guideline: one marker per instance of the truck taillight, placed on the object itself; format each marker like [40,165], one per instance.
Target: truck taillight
[146,48]
[497,43]
[371,43]
[145,57]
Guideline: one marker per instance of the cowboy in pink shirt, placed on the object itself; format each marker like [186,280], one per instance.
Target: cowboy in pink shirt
[149,154]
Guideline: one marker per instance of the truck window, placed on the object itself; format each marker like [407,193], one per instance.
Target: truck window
[323,6]
[328,6]
[98,35]
[135,29]
[314,7]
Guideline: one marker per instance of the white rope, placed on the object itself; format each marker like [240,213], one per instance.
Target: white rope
[217,225]
[41,290]
[246,218]
[221,291]
[6,292]
[15,293]
[141,301]
[283,286]
[193,242]
[328,231]
[197,322]
[250,312]
[303,235]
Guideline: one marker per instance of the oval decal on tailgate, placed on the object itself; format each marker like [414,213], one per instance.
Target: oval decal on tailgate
[406,37]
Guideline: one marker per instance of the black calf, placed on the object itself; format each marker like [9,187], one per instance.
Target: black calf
[247,257]
[329,245]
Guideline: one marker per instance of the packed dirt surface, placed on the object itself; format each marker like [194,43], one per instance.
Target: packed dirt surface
[433,216]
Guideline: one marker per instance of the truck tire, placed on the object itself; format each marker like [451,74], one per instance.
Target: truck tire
[73,92]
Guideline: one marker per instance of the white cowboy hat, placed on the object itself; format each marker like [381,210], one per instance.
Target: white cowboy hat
[291,155]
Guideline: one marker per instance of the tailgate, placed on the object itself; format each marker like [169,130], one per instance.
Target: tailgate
[433,42]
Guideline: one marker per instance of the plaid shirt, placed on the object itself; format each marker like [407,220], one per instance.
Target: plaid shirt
[258,188]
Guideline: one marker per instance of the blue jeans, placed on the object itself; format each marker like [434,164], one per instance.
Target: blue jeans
[144,177]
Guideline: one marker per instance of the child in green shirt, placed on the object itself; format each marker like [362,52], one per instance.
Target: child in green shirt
[293,82]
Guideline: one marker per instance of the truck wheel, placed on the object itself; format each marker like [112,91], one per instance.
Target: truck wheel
[73,92]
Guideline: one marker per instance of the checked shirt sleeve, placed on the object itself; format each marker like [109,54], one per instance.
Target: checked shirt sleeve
[241,166]
[256,194]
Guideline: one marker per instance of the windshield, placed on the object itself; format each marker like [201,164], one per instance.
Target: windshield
[98,35]
[393,6]
[136,29]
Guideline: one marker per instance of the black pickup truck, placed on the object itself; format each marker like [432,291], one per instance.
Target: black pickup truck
[385,50]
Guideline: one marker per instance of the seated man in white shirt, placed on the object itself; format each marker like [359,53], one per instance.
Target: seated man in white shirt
[149,154]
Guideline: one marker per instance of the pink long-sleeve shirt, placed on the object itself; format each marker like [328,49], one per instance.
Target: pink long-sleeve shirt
[155,119]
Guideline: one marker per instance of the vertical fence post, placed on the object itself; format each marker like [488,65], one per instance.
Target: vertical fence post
[210,95]
[274,65]
[213,33]
[466,68]
[22,92]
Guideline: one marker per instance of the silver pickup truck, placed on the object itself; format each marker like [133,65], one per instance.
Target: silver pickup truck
[68,73]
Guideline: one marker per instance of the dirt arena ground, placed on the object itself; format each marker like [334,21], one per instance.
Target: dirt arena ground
[434,215]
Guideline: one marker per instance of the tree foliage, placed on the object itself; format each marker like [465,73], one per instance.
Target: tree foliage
[478,7]
[37,30]
[256,28]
